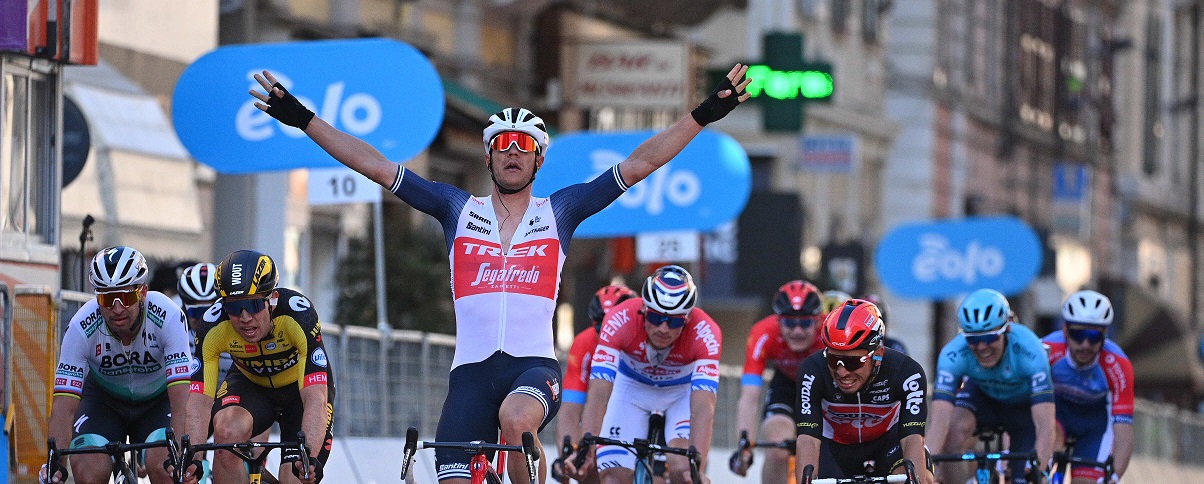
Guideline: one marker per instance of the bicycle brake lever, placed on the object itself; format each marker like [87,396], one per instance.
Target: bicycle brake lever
[579,460]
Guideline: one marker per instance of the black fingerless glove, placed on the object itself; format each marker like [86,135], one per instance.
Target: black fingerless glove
[288,109]
[714,108]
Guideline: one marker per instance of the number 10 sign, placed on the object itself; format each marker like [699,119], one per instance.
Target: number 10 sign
[340,185]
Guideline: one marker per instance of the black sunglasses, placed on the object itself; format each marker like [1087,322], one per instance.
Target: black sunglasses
[791,322]
[656,319]
[235,307]
[850,362]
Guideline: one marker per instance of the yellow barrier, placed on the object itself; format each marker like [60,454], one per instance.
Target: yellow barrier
[34,355]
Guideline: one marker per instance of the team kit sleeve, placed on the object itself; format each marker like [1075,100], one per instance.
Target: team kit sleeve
[204,380]
[315,370]
[807,413]
[575,203]
[1042,389]
[755,355]
[949,370]
[438,200]
[576,376]
[914,414]
[176,348]
[73,362]
[1119,372]
[708,344]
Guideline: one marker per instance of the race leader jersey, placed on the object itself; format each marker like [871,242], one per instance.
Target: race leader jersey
[1022,374]
[623,349]
[505,296]
[892,399]
[576,376]
[157,357]
[1106,382]
[766,346]
[292,354]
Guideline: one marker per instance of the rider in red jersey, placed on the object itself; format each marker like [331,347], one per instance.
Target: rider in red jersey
[781,340]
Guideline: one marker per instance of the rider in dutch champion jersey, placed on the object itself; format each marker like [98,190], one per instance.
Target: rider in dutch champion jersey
[507,251]
[658,354]
[123,368]
[1093,386]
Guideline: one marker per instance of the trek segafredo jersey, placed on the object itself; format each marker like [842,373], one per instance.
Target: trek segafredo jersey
[156,358]
[505,296]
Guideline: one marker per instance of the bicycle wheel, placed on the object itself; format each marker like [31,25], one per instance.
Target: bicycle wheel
[126,476]
[643,472]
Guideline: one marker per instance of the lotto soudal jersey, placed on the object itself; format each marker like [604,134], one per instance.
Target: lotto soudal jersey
[766,346]
[1022,374]
[623,349]
[1106,382]
[505,296]
[291,354]
[894,398]
[156,358]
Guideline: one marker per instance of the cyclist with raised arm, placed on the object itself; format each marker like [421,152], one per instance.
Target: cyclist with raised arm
[1093,386]
[993,374]
[576,379]
[283,373]
[860,401]
[123,369]
[658,353]
[507,252]
[781,340]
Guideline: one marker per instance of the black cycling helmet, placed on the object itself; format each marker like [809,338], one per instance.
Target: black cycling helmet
[246,273]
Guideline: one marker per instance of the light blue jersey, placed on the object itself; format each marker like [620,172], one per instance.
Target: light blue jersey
[1021,375]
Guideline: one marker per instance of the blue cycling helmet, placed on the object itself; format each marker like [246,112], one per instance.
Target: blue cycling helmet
[983,310]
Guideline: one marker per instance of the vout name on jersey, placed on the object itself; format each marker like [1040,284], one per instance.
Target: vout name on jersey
[506,274]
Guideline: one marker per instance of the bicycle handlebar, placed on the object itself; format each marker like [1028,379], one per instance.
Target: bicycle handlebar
[909,476]
[528,449]
[984,456]
[114,449]
[243,450]
[640,446]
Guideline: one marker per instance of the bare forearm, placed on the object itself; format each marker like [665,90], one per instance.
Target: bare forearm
[1045,422]
[62,412]
[568,421]
[1122,446]
[199,407]
[747,410]
[702,422]
[939,414]
[315,417]
[595,405]
[807,449]
[179,397]
[353,152]
[913,450]
[656,151]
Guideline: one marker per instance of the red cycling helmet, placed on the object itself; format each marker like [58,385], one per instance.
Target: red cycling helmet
[798,298]
[854,324]
[606,298]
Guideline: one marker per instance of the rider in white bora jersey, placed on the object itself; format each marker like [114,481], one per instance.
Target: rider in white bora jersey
[123,369]
[507,251]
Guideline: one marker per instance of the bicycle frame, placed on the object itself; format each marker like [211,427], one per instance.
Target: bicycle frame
[479,467]
[643,450]
[984,470]
[245,451]
[115,450]
[1064,462]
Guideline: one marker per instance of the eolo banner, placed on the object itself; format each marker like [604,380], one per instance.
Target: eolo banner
[382,91]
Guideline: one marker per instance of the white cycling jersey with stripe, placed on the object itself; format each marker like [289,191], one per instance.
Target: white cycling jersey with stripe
[505,297]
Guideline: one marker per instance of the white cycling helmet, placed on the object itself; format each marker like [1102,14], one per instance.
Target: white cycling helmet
[1087,307]
[118,266]
[670,290]
[198,284]
[517,119]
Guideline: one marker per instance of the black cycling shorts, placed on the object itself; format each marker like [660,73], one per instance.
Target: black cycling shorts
[114,419]
[848,460]
[271,405]
[781,396]
[474,397]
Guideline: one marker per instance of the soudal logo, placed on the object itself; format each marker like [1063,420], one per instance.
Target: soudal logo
[805,394]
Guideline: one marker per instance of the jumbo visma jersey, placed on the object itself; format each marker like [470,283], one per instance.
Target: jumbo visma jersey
[292,354]
[505,296]
[156,358]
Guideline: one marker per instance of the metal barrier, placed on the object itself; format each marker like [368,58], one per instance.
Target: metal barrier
[1165,432]
[34,347]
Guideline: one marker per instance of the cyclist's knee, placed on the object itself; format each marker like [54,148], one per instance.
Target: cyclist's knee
[520,413]
[91,468]
[232,424]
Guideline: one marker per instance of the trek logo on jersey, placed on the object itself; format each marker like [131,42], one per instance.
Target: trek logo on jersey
[528,268]
[915,396]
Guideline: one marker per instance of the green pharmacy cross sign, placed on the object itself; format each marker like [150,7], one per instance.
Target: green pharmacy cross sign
[784,82]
